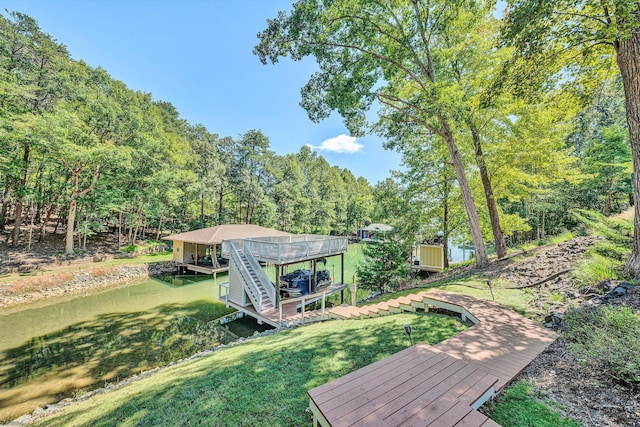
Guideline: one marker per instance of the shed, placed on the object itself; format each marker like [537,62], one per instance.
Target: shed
[369,232]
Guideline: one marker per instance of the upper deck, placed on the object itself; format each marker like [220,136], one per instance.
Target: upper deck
[282,250]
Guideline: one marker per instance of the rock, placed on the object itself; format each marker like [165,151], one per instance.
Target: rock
[626,286]
[23,420]
[617,292]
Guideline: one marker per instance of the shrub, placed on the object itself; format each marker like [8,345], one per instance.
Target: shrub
[384,266]
[606,338]
[130,248]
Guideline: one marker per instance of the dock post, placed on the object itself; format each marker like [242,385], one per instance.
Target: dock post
[302,309]
[353,288]
[324,297]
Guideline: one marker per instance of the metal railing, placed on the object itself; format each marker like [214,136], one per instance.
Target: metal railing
[287,249]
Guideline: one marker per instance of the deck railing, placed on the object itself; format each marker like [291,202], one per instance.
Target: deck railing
[288,249]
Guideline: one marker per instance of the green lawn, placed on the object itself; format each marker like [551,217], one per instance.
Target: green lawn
[262,382]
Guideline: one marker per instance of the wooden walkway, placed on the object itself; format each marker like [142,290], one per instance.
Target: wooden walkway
[441,385]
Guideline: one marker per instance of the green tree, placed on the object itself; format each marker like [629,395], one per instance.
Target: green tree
[390,53]
[33,79]
[572,41]
[384,266]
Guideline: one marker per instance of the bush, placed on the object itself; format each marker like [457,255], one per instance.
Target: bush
[130,249]
[606,338]
[384,266]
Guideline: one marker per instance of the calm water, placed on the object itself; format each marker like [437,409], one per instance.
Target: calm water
[57,348]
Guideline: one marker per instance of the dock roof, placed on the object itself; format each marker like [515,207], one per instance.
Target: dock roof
[215,235]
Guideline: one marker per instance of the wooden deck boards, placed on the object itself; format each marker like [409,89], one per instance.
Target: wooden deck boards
[434,386]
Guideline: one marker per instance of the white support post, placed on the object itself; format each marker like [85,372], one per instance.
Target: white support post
[324,297]
[303,309]
[280,310]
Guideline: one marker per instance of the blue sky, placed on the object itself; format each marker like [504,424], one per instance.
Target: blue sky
[197,55]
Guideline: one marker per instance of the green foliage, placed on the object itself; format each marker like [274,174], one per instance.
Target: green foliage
[130,248]
[611,250]
[384,267]
[519,406]
[597,223]
[606,338]
[604,260]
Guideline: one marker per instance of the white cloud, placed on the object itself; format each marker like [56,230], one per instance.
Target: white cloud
[339,144]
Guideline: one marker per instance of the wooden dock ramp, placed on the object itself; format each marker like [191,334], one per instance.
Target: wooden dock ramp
[439,385]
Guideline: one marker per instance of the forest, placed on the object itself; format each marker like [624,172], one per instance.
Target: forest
[496,148]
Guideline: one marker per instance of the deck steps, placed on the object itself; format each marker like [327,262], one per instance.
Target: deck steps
[398,305]
[440,385]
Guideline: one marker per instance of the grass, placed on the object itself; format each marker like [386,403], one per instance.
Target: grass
[605,259]
[260,382]
[520,407]
[553,240]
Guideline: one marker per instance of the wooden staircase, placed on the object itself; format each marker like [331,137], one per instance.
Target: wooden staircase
[267,303]
[409,303]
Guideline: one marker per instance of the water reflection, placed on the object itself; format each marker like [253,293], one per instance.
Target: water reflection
[57,351]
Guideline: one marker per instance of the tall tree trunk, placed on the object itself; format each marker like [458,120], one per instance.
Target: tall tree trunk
[73,204]
[446,190]
[33,214]
[628,57]
[23,182]
[119,229]
[220,197]
[71,220]
[159,229]
[202,209]
[494,217]
[467,197]
[53,205]
[5,205]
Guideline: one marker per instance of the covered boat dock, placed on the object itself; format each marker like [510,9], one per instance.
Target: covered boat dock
[200,250]
[251,291]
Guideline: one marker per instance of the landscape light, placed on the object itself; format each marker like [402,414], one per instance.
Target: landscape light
[407,329]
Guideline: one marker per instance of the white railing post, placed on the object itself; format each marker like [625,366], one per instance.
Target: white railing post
[324,297]
[280,311]
[303,309]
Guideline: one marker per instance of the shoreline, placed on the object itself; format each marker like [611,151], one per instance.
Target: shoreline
[33,289]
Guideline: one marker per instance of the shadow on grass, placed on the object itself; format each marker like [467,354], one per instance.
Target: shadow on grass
[109,348]
[263,382]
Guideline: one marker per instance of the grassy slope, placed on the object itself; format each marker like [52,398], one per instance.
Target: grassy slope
[260,382]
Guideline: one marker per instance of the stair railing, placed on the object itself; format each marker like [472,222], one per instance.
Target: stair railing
[245,276]
[269,288]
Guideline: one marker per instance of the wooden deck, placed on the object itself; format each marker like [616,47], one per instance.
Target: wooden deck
[441,385]
[289,313]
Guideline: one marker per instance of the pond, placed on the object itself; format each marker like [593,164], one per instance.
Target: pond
[65,346]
